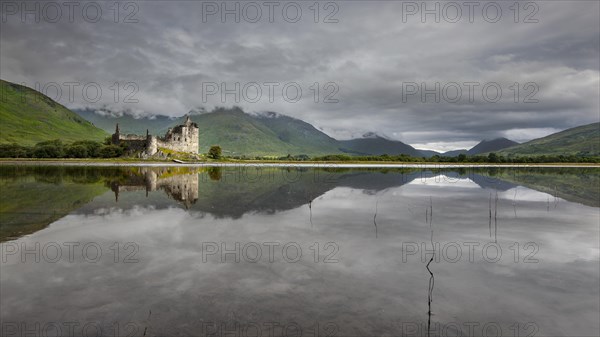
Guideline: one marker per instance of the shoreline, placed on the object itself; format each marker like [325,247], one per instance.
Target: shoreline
[139,163]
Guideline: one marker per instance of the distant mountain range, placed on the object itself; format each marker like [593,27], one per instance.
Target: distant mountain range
[485,146]
[372,144]
[29,117]
[261,134]
[271,133]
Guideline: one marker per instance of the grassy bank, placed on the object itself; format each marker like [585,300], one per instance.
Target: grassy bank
[137,161]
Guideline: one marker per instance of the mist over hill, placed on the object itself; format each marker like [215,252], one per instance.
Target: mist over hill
[253,134]
[274,134]
[29,117]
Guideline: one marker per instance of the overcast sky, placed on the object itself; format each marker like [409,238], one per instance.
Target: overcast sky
[178,54]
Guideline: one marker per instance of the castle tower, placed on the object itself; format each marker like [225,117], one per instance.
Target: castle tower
[116,136]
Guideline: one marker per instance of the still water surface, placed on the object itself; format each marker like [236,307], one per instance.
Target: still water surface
[299,252]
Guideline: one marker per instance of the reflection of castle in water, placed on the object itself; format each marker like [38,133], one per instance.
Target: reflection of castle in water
[180,187]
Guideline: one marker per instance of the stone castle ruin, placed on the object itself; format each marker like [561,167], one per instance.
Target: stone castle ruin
[182,138]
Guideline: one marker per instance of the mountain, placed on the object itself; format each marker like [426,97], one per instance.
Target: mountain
[28,117]
[265,134]
[273,134]
[107,120]
[237,132]
[493,145]
[429,153]
[581,140]
[295,131]
[372,144]
[453,153]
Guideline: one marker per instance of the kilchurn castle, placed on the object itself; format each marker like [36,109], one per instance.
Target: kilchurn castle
[182,138]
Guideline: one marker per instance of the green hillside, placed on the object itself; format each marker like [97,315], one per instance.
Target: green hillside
[239,133]
[263,134]
[372,144]
[493,145]
[294,131]
[28,117]
[581,140]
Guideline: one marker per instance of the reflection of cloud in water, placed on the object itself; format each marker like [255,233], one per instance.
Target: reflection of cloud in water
[525,194]
[443,181]
[367,292]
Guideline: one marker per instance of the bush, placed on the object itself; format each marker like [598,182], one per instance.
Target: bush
[48,151]
[110,151]
[214,152]
[92,147]
[76,151]
[14,150]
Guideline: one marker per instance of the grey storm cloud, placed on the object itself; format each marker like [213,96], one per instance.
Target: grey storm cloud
[172,52]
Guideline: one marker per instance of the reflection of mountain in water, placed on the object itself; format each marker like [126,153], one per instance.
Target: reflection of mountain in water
[278,190]
[34,196]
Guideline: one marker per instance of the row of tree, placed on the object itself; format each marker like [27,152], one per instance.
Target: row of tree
[463,158]
[92,149]
[57,149]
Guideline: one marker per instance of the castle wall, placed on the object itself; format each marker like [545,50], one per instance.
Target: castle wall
[133,143]
[182,138]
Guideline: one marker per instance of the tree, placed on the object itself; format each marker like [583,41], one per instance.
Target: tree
[48,151]
[110,151]
[92,147]
[214,152]
[492,157]
[462,157]
[76,151]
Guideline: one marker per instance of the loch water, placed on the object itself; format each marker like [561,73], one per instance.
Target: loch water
[257,251]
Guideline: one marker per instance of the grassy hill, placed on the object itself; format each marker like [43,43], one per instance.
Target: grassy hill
[581,140]
[239,133]
[375,145]
[28,117]
[294,131]
[491,146]
[263,134]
